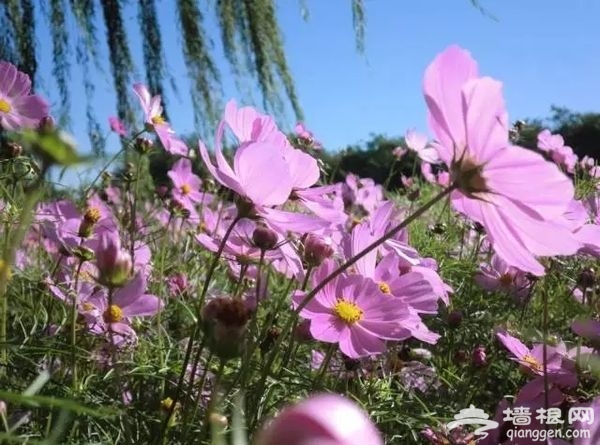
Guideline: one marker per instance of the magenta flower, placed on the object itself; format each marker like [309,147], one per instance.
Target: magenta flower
[117,126]
[354,313]
[128,301]
[513,192]
[589,329]
[155,121]
[325,419]
[18,107]
[186,185]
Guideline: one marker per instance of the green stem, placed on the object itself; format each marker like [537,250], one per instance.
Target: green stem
[196,329]
[388,235]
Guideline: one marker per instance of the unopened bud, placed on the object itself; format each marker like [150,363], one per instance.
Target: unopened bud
[273,334]
[413,195]
[479,356]
[225,321]
[143,145]
[587,278]
[46,125]
[13,150]
[91,216]
[316,250]
[264,238]
[114,263]
[455,318]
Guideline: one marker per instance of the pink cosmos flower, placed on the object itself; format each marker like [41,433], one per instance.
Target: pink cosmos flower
[513,192]
[326,419]
[128,301]
[117,125]
[306,137]
[419,143]
[559,365]
[154,119]
[186,185]
[18,107]
[499,276]
[353,312]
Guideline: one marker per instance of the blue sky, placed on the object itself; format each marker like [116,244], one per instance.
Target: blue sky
[545,52]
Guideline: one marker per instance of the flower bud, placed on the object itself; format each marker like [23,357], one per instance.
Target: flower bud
[225,321]
[455,318]
[324,419]
[587,278]
[46,125]
[264,238]
[114,263]
[143,145]
[90,218]
[479,356]
[273,334]
[316,250]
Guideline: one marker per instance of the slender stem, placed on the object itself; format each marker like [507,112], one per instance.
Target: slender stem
[195,331]
[391,233]
[8,259]
[74,329]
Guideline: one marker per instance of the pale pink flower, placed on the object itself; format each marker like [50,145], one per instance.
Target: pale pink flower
[513,192]
[155,120]
[419,143]
[325,419]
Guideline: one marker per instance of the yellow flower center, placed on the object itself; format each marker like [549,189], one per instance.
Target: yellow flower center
[113,314]
[166,404]
[385,288]
[92,215]
[506,280]
[348,312]
[186,189]
[4,106]
[532,363]
[202,228]
[158,120]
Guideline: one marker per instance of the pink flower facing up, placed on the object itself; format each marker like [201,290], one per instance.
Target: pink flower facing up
[128,301]
[156,122]
[186,185]
[325,419]
[513,192]
[18,107]
[260,173]
[353,312]
[560,365]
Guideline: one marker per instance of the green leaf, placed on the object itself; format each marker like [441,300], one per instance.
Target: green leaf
[54,147]
[53,402]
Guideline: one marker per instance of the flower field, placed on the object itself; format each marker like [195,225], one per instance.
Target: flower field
[248,299]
